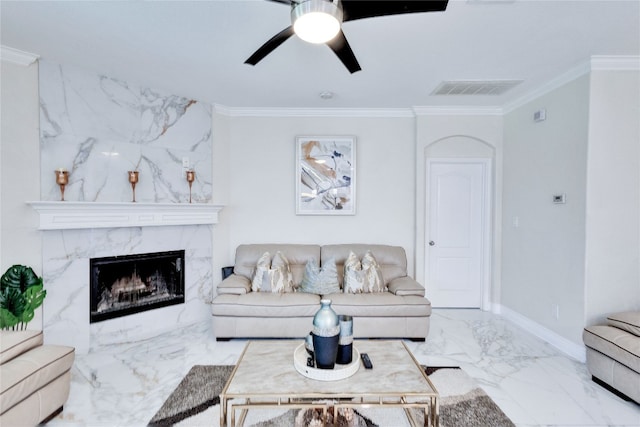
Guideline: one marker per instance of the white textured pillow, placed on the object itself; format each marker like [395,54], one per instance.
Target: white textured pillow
[373,280]
[353,275]
[365,276]
[321,281]
[280,277]
[262,266]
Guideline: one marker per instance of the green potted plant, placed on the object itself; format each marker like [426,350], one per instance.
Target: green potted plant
[21,292]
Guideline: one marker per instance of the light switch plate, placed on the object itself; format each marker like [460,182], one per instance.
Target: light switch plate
[560,198]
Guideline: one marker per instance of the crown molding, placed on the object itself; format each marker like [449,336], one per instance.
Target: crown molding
[16,56]
[615,63]
[595,63]
[551,85]
[313,112]
[455,110]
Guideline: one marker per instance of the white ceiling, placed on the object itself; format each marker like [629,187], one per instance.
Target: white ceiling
[197,49]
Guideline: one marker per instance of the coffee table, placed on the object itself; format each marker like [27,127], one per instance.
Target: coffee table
[265,377]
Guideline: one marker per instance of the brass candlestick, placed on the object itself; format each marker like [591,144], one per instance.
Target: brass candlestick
[62,179]
[191,176]
[133,179]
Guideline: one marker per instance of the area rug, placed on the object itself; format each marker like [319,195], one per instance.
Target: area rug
[195,403]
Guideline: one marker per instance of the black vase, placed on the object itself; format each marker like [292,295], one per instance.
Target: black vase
[326,335]
[345,341]
[325,351]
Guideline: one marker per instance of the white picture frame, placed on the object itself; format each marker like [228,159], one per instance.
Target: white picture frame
[325,175]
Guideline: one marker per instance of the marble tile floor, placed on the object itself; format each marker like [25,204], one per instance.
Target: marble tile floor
[533,383]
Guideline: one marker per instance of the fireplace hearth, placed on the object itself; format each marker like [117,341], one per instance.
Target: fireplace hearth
[128,284]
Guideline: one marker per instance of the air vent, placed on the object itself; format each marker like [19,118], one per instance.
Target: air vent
[475,87]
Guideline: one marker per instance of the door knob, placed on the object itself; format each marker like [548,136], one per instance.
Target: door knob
[432,243]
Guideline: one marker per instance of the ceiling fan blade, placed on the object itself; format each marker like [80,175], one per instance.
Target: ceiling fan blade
[270,45]
[359,9]
[340,46]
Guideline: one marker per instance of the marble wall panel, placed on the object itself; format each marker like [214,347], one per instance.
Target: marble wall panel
[99,128]
[66,275]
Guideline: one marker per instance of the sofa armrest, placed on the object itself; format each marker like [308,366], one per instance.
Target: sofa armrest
[404,286]
[627,321]
[234,285]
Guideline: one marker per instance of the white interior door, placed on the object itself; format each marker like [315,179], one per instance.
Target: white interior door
[457,232]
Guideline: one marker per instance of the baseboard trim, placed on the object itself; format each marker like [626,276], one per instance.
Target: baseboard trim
[566,346]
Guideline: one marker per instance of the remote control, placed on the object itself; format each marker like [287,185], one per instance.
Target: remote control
[366,361]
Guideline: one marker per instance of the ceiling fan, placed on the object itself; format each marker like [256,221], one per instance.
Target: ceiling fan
[332,13]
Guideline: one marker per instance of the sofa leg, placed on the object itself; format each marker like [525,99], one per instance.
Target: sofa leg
[417,339]
[52,416]
[223,339]
[611,389]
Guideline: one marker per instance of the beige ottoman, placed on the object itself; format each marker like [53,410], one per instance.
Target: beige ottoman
[34,378]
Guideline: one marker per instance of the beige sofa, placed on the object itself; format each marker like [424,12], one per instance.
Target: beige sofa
[400,312]
[34,378]
[613,354]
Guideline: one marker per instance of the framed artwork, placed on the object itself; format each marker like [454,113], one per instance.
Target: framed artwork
[325,175]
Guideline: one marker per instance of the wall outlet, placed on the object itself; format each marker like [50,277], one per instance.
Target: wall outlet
[555,311]
[540,115]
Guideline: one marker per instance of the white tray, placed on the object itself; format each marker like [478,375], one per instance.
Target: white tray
[339,372]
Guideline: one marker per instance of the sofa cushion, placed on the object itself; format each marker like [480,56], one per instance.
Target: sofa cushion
[263,304]
[14,343]
[320,280]
[31,371]
[298,255]
[618,344]
[392,259]
[379,304]
[628,321]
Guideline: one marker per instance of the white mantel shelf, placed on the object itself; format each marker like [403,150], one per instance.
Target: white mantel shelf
[79,215]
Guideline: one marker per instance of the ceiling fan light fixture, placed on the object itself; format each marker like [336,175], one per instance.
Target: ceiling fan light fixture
[316,21]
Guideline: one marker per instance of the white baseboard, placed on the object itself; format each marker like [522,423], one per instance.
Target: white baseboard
[566,346]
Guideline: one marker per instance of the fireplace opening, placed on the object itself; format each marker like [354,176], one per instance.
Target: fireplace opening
[128,284]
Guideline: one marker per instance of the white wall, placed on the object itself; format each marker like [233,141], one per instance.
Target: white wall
[220,181]
[262,182]
[20,242]
[465,134]
[543,243]
[613,195]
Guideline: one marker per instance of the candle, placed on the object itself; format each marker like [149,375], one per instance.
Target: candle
[62,179]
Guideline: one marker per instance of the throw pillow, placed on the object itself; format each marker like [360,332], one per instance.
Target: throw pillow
[353,275]
[321,281]
[373,280]
[280,276]
[362,276]
[262,266]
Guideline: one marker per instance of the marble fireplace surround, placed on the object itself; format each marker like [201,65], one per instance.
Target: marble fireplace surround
[75,232]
